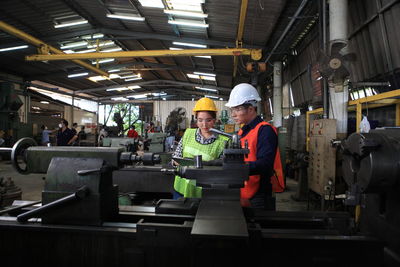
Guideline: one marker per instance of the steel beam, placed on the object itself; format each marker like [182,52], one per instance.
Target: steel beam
[239,38]
[142,35]
[254,53]
[132,93]
[42,45]
[158,82]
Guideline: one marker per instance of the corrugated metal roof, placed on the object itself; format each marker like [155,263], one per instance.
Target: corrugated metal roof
[263,24]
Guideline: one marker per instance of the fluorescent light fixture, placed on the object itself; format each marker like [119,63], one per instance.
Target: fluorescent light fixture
[114,70]
[137,96]
[74,44]
[119,98]
[104,61]
[133,79]
[204,73]
[207,78]
[189,44]
[159,94]
[185,13]
[78,74]
[221,99]
[93,36]
[130,76]
[188,2]
[193,76]
[211,96]
[115,49]
[45,102]
[123,88]
[175,48]
[102,78]
[86,51]
[164,98]
[117,89]
[152,3]
[71,23]
[188,23]
[206,89]
[203,77]
[107,43]
[203,56]
[126,17]
[37,108]
[13,48]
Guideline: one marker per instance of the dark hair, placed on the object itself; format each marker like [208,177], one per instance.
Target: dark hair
[65,122]
[82,128]
[74,124]
[42,127]
[213,114]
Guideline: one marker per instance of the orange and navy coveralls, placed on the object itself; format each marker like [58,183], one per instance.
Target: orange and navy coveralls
[266,174]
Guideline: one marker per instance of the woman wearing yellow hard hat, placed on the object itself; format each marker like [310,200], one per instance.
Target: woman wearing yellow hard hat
[199,141]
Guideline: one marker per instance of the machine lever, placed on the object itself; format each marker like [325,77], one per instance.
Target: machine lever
[78,195]
[86,172]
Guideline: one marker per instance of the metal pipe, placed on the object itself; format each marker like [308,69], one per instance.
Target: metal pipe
[277,98]
[325,91]
[338,94]
[293,19]
[42,45]
[255,54]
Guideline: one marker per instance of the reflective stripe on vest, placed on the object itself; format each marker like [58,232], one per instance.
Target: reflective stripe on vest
[252,185]
[192,148]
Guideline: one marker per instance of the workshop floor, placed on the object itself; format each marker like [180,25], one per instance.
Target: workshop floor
[32,185]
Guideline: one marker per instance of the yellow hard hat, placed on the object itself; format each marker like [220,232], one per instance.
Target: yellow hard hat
[205,104]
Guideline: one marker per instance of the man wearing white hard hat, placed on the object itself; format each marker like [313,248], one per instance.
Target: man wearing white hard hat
[264,161]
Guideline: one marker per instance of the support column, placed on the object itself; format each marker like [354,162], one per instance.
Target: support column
[260,105]
[277,99]
[338,91]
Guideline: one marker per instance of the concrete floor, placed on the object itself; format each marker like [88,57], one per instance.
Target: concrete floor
[32,186]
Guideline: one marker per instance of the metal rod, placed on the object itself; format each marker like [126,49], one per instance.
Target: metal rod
[5,149]
[19,207]
[78,195]
[213,130]
[298,11]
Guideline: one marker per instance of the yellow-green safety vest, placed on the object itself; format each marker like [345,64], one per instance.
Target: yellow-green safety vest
[191,148]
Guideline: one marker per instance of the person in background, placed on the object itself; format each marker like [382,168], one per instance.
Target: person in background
[200,141]
[45,135]
[151,128]
[132,132]
[102,134]
[81,135]
[65,136]
[2,141]
[75,131]
[266,174]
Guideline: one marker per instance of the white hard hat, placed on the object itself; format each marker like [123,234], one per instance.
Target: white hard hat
[241,94]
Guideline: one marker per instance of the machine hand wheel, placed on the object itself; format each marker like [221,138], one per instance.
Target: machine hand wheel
[18,154]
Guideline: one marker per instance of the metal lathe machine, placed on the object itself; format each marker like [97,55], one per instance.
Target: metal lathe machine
[80,223]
